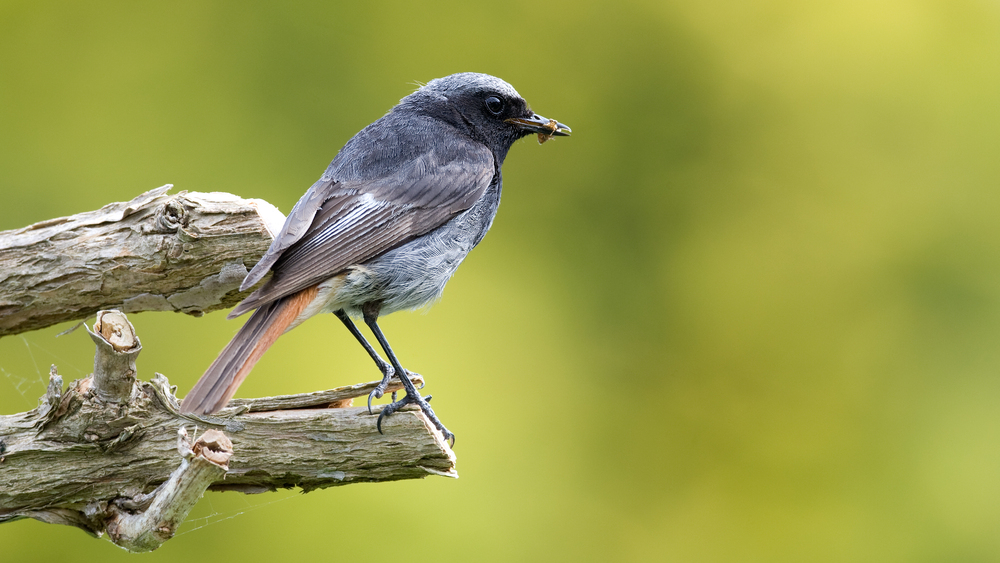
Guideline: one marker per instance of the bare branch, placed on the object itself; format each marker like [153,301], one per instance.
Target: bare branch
[186,252]
[101,455]
[114,362]
[204,462]
[78,460]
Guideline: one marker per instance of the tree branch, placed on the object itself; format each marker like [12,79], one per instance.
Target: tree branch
[186,252]
[104,454]
[86,459]
[202,463]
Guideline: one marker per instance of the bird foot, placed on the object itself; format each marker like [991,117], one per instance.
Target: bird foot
[425,406]
[379,391]
[387,373]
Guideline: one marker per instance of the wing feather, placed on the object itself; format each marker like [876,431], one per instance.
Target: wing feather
[357,220]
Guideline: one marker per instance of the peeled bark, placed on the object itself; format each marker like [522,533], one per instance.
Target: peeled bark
[111,453]
[186,252]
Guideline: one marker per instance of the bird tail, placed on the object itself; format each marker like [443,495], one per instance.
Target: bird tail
[227,372]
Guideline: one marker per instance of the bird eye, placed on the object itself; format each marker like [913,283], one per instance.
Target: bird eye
[494,104]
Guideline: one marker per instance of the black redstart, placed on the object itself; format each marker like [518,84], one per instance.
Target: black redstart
[384,228]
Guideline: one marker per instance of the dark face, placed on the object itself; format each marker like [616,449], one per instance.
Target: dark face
[489,113]
[488,109]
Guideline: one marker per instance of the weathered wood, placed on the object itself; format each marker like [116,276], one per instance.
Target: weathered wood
[339,397]
[186,252]
[103,454]
[114,361]
[203,462]
[77,460]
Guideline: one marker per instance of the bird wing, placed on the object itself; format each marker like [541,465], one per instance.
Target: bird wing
[353,221]
[294,228]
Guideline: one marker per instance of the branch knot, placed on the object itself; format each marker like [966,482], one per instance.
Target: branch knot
[171,216]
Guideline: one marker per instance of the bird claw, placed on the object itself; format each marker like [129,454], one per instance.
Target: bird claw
[377,393]
[387,410]
[387,372]
[425,407]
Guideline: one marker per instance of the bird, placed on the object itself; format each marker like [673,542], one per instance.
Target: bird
[383,229]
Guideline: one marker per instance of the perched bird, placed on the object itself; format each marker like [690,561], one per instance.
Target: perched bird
[384,228]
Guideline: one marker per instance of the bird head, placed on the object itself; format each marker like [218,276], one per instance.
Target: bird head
[487,109]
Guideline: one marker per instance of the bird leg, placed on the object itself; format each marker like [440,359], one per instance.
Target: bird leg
[370,311]
[383,366]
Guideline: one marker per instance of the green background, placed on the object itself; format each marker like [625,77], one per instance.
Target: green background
[747,312]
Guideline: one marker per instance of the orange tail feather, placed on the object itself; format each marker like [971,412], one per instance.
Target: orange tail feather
[221,380]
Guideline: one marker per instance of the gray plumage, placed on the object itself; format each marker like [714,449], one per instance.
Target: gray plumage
[420,165]
[388,222]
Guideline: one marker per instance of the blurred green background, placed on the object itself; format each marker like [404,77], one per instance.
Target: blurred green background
[748,312]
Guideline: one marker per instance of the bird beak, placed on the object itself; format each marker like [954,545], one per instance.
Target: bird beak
[545,127]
